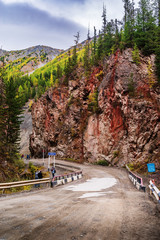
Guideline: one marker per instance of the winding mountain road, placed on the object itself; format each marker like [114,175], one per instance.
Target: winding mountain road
[85,209]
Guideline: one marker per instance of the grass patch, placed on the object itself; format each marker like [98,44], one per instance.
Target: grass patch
[115,154]
[102,163]
[131,166]
[71,160]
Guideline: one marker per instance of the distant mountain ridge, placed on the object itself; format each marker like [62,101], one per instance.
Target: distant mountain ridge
[39,49]
[29,59]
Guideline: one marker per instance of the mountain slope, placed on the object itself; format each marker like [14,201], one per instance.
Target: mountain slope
[29,59]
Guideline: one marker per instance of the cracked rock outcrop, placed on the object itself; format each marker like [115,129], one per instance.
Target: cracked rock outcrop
[112,115]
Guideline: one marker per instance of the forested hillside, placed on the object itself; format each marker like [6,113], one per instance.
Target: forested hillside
[138,30]
[24,61]
[16,89]
[20,64]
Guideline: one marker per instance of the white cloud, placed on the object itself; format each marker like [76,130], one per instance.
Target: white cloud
[18,1]
[86,12]
[68,17]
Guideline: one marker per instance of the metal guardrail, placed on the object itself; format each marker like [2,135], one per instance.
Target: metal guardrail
[23,183]
[154,190]
[137,181]
[57,180]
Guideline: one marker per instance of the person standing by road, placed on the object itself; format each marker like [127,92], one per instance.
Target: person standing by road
[53,171]
[40,175]
[36,177]
[36,174]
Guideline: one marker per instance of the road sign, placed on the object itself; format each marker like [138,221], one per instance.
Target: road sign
[151,167]
[52,154]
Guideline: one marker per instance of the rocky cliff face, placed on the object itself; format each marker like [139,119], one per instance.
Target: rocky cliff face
[25,130]
[111,115]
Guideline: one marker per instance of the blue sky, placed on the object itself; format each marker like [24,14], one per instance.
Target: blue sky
[25,23]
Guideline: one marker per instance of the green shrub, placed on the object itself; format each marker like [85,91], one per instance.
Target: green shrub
[102,163]
[93,102]
[131,166]
[131,86]
[115,153]
[27,188]
[32,168]
[135,55]
[19,164]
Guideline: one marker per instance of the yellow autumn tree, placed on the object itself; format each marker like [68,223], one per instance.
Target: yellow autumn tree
[51,80]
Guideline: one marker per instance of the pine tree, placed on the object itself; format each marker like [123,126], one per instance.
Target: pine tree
[33,92]
[59,71]
[145,28]
[74,57]
[51,80]
[67,68]
[94,47]
[108,40]
[3,118]
[29,90]
[39,91]
[94,41]
[3,115]
[135,55]
[126,10]
[21,94]
[117,35]
[104,20]
[86,57]
[128,22]
[13,119]
[157,49]
[99,47]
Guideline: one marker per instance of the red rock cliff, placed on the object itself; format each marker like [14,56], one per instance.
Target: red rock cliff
[120,125]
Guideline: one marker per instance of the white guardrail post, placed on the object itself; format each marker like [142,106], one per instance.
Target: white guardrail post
[63,179]
[137,181]
[154,190]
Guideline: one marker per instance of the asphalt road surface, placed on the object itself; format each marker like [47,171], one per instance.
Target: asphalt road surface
[102,205]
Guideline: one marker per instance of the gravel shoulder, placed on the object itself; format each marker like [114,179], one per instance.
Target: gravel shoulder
[118,212]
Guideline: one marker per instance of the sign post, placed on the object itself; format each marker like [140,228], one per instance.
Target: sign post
[49,163]
[51,154]
[151,167]
[54,159]
[43,156]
